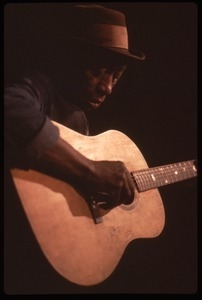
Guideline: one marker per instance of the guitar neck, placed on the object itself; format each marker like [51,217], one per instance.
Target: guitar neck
[151,178]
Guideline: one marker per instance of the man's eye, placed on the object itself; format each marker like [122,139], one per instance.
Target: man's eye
[115,80]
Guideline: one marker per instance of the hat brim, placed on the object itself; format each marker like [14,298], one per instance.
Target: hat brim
[129,53]
[125,53]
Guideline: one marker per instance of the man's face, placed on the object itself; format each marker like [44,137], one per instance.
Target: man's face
[98,82]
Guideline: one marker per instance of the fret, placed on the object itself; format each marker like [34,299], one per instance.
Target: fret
[155,177]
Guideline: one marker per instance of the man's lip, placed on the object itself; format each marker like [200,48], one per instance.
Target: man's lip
[96,101]
[94,104]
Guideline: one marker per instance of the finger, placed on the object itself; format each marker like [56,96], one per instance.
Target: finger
[127,191]
[113,200]
[130,189]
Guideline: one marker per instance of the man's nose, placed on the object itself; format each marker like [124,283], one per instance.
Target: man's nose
[105,84]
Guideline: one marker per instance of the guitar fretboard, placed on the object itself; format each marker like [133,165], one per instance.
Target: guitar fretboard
[151,178]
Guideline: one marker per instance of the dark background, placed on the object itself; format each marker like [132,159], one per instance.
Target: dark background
[156,105]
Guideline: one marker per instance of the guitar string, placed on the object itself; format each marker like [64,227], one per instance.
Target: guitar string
[154,177]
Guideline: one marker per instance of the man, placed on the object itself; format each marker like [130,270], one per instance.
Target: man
[84,86]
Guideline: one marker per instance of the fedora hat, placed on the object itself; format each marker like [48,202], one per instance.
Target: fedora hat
[102,27]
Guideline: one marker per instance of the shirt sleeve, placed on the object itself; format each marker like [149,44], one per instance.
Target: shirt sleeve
[28,132]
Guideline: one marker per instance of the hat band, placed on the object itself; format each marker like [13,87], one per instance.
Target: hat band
[109,36]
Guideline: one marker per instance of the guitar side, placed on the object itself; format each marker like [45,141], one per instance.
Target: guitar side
[80,250]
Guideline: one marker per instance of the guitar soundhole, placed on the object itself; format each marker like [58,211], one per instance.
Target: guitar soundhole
[131,205]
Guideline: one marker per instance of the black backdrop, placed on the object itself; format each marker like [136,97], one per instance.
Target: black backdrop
[156,106]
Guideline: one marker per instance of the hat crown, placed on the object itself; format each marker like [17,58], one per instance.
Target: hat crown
[100,14]
[103,27]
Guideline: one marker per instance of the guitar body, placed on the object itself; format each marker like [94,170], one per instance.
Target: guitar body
[80,250]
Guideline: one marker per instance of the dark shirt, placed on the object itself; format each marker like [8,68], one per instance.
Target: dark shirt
[29,106]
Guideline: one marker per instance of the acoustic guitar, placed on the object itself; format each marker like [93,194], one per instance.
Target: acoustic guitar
[84,243]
